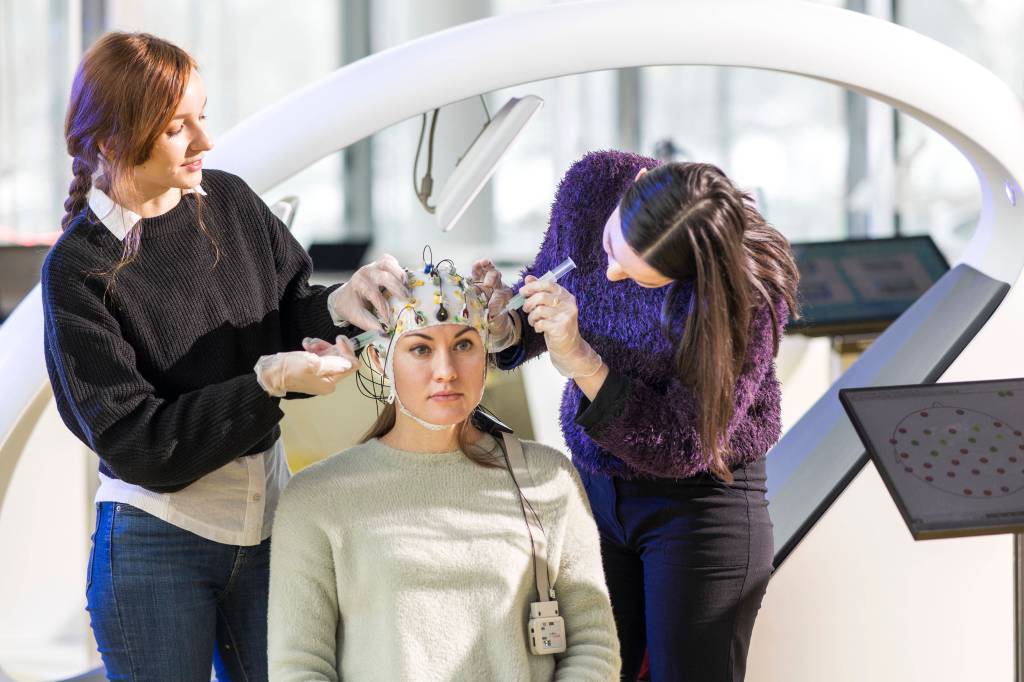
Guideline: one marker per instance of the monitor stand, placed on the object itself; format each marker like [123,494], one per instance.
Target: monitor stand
[1018,607]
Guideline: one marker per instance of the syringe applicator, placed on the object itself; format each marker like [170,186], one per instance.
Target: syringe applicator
[553,275]
[363,339]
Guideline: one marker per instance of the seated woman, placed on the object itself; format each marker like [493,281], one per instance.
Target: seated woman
[412,555]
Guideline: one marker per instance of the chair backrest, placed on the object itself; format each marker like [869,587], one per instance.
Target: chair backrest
[285,209]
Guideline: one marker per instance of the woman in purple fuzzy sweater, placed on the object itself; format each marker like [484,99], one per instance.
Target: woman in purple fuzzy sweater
[668,330]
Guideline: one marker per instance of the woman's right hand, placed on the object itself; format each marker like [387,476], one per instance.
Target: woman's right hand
[363,300]
[551,310]
[314,371]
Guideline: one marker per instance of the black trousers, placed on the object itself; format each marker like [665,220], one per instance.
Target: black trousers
[687,563]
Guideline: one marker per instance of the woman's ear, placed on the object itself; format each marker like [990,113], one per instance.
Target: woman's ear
[375,359]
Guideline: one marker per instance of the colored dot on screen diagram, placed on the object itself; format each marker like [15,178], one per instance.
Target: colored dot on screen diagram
[960,451]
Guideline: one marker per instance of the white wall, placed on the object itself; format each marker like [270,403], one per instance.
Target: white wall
[859,599]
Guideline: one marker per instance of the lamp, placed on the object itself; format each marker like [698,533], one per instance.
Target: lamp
[479,162]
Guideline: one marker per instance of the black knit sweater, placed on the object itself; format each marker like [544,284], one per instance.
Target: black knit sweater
[155,374]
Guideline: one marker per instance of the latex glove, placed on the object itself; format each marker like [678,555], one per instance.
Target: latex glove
[551,310]
[503,329]
[301,372]
[341,348]
[363,300]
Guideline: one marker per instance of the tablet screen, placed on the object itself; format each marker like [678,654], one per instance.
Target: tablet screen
[952,455]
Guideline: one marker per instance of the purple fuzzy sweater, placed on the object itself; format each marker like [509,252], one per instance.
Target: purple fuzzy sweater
[643,422]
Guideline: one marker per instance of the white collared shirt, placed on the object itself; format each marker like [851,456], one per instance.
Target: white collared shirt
[116,218]
[234,504]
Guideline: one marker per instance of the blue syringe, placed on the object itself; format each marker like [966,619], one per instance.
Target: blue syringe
[553,275]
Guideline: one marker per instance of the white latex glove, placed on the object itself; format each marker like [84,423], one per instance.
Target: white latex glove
[551,310]
[302,372]
[363,300]
[503,329]
[341,348]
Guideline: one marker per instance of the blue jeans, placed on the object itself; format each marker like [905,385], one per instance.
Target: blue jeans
[166,604]
[687,562]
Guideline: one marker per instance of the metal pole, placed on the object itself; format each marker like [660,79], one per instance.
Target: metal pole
[1018,607]
[630,110]
[357,159]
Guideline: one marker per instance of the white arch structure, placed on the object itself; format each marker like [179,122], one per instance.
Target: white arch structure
[956,97]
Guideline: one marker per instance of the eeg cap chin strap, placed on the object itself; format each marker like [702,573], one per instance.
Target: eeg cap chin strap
[422,422]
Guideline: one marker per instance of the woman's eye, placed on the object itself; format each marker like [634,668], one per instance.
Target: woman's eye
[172,133]
[419,350]
[465,344]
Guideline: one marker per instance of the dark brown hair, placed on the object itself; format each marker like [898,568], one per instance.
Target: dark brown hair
[690,223]
[124,95]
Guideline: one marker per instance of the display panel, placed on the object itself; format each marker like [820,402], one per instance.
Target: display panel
[862,285]
[952,455]
[19,272]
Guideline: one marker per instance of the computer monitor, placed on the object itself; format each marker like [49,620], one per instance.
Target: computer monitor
[951,455]
[862,285]
[338,256]
[19,271]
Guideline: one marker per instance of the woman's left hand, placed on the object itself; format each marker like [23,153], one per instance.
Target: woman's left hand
[324,349]
[551,310]
[313,371]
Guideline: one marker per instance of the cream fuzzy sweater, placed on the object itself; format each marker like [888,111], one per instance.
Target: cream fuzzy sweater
[394,565]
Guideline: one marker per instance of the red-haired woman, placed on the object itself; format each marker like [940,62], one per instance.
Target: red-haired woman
[175,307]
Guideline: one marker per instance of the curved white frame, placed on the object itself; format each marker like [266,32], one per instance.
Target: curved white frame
[915,74]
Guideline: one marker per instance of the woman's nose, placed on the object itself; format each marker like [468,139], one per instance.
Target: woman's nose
[202,142]
[615,272]
[444,366]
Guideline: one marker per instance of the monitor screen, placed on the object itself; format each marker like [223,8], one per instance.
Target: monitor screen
[338,257]
[19,272]
[862,285]
[952,455]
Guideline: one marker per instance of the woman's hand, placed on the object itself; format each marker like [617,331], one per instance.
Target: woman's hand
[341,349]
[313,371]
[502,330]
[551,310]
[363,300]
